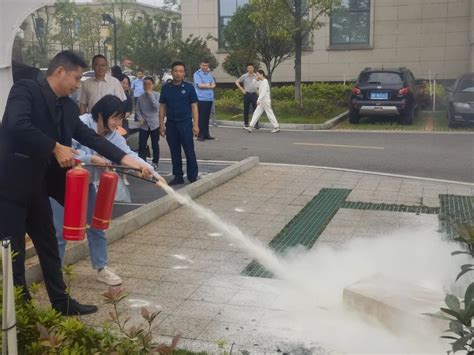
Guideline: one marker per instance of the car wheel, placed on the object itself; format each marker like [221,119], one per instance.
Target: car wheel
[354,117]
[408,117]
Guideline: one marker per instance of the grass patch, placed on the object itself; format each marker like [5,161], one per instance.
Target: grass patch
[440,123]
[282,118]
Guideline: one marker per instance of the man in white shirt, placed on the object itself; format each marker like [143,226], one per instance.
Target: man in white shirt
[93,89]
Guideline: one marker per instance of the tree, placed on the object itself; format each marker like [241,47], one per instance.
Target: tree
[149,41]
[41,27]
[192,51]
[259,30]
[89,31]
[67,18]
[236,62]
[306,15]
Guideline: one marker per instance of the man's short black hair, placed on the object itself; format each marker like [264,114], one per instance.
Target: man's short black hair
[177,63]
[149,78]
[250,64]
[69,60]
[98,56]
[109,105]
[140,70]
[205,61]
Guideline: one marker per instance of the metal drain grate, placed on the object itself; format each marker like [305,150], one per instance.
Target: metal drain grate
[390,207]
[455,210]
[305,228]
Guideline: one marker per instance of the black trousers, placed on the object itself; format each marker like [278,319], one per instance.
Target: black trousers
[250,98]
[36,219]
[155,143]
[204,109]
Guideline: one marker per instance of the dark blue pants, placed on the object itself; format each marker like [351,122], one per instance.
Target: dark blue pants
[180,134]
[204,108]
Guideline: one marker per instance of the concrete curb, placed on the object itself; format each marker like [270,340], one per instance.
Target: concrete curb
[293,126]
[143,215]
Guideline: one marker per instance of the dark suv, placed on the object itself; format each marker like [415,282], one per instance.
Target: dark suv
[384,92]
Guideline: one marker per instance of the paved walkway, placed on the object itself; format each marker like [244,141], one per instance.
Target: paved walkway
[180,265]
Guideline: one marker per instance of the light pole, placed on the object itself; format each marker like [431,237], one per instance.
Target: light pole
[109,19]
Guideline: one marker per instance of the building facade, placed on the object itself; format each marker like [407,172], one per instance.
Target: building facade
[433,38]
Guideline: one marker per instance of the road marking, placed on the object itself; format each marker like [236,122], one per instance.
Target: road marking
[368,172]
[340,146]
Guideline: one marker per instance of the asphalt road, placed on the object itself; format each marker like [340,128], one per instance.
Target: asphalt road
[142,192]
[447,156]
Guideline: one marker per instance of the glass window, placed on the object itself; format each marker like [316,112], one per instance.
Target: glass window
[227,9]
[350,22]
[379,78]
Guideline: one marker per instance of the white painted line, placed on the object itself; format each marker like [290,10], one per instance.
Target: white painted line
[353,131]
[373,173]
[339,146]
[201,161]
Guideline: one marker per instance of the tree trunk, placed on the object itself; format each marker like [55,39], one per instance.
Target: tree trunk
[298,53]
[269,72]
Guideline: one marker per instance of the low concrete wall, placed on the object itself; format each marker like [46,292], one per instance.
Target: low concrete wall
[143,215]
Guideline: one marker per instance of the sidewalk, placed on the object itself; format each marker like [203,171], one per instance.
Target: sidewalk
[181,266]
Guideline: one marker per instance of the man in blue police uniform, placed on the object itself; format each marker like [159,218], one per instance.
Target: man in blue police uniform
[178,102]
[205,85]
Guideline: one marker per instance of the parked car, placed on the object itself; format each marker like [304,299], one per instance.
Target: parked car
[384,92]
[461,100]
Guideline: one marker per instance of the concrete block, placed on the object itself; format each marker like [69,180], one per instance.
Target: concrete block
[396,304]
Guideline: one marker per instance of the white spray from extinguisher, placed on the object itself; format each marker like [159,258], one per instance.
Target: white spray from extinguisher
[253,246]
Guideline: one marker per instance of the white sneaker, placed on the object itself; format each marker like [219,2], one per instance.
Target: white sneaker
[248,129]
[109,277]
[276,130]
[125,180]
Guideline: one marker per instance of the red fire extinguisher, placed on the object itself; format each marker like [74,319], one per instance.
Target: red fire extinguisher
[105,200]
[75,204]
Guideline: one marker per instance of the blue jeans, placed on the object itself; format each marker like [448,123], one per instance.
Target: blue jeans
[95,238]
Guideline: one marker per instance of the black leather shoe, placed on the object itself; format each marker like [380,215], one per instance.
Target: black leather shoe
[74,308]
[210,138]
[191,180]
[200,139]
[176,181]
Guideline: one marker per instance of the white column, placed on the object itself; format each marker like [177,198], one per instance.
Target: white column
[13,13]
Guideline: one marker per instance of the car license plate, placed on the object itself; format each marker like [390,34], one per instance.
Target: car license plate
[378,96]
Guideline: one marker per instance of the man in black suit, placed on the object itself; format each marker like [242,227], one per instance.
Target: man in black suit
[38,126]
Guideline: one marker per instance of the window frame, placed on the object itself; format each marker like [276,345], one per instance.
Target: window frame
[220,26]
[354,46]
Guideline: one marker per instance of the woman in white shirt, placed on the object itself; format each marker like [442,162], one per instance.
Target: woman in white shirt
[264,103]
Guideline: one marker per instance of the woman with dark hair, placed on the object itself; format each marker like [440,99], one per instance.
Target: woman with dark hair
[264,103]
[105,118]
[128,103]
[148,114]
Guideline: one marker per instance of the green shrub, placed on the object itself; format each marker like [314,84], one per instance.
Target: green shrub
[43,331]
[319,99]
